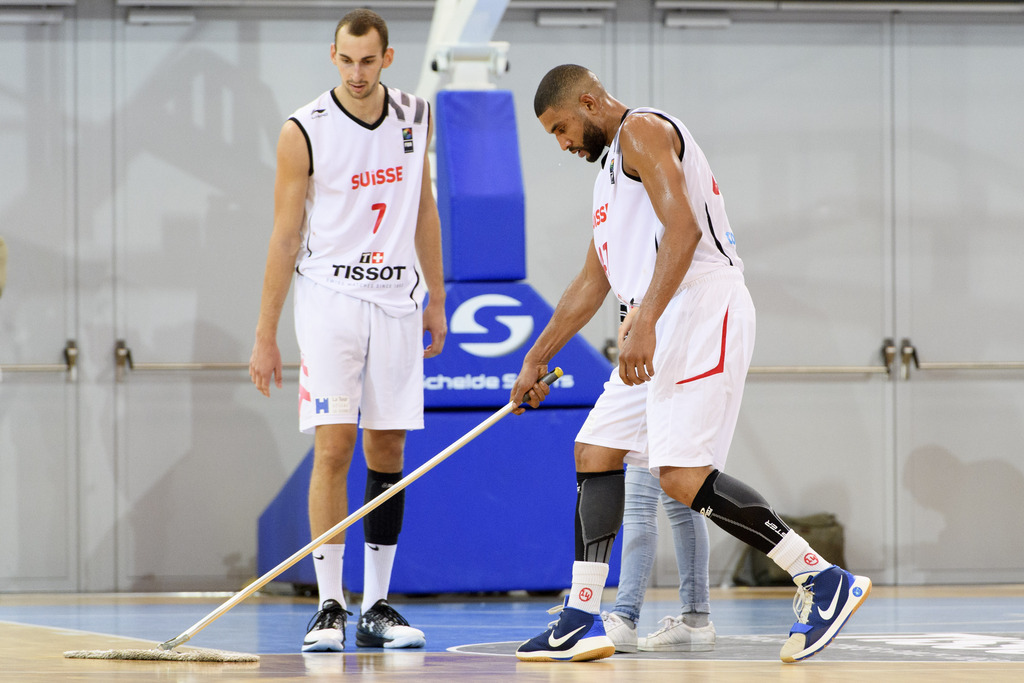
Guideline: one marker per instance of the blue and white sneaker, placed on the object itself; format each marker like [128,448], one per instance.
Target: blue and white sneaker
[822,606]
[575,636]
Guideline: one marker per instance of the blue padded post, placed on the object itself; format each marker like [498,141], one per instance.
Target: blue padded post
[480,186]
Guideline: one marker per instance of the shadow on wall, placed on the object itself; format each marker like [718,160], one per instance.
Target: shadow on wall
[197,479]
[962,496]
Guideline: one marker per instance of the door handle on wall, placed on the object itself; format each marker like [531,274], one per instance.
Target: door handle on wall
[124,362]
[888,354]
[909,355]
[69,366]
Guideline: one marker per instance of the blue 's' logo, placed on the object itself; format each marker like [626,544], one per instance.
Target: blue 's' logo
[463,321]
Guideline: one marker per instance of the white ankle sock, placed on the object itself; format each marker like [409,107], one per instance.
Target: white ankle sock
[327,561]
[377,563]
[796,556]
[587,585]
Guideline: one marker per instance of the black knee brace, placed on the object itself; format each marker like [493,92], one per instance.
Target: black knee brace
[739,510]
[600,501]
[382,526]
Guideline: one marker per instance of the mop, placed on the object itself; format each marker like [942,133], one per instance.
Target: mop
[166,651]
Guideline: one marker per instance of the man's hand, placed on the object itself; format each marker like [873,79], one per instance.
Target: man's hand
[264,364]
[637,340]
[436,325]
[528,388]
[626,324]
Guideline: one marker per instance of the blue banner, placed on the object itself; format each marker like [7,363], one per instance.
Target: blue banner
[491,326]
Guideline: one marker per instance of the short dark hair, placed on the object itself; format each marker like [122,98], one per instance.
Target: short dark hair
[360,21]
[559,85]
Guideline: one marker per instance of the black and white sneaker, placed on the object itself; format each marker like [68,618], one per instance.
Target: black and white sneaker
[382,626]
[326,630]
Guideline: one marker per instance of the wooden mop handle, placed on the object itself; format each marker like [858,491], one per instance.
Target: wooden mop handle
[366,509]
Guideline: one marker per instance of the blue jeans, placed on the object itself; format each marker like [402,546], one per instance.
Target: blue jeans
[640,541]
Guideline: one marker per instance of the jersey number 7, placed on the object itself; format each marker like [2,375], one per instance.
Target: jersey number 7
[381,208]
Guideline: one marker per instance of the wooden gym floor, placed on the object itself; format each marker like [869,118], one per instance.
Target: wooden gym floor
[910,634]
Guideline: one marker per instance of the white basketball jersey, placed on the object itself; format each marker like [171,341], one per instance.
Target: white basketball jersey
[627,231]
[363,199]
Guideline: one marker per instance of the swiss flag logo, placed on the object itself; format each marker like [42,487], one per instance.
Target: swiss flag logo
[378,257]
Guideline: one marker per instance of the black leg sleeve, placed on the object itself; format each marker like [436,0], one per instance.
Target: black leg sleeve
[382,526]
[600,502]
[740,511]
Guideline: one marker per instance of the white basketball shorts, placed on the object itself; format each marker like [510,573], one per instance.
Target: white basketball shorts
[359,364]
[686,415]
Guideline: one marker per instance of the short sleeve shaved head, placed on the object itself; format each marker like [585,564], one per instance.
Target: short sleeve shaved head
[564,84]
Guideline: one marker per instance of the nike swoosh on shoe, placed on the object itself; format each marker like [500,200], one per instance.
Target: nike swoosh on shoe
[558,642]
[831,611]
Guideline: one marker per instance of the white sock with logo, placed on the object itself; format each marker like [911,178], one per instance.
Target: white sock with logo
[587,585]
[327,561]
[796,556]
[377,563]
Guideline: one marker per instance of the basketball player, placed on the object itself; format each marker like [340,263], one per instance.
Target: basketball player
[353,209]
[662,243]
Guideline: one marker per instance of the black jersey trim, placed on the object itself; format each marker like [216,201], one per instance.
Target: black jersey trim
[364,124]
[711,227]
[682,142]
[415,286]
[309,144]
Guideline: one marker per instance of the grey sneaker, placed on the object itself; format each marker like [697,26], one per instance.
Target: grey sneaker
[622,633]
[675,636]
[326,630]
[383,626]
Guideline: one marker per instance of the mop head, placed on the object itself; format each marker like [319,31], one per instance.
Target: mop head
[193,655]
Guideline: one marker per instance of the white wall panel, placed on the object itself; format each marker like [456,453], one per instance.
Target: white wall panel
[38,520]
[960,170]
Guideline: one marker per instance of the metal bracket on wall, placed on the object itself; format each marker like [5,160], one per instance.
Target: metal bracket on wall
[69,366]
[908,354]
[123,362]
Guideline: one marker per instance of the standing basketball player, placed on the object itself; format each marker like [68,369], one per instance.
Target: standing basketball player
[353,209]
[662,243]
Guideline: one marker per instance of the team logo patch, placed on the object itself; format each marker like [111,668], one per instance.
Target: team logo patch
[611,170]
[407,140]
[371,257]
[331,405]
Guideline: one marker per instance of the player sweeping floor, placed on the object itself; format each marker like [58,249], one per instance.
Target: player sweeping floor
[663,244]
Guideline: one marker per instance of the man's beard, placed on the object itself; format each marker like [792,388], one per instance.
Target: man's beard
[593,141]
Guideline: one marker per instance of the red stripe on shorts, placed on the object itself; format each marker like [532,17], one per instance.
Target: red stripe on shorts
[721,359]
